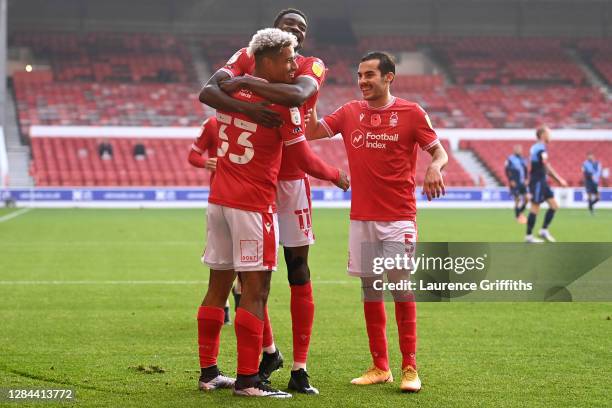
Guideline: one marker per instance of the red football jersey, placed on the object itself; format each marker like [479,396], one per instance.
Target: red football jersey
[249,157]
[206,142]
[381,146]
[242,63]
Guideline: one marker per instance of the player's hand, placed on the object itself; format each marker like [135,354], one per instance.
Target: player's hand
[343,181]
[307,117]
[231,85]
[433,186]
[563,182]
[211,164]
[262,114]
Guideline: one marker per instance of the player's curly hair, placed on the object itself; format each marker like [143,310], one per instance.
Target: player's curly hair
[284,12]
[270,39]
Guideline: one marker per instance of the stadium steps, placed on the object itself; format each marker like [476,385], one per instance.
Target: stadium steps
[594,78]
[18,153]
[200,65]
[437,60]
[475,168]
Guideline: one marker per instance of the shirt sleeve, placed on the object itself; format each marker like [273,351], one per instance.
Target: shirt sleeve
[207,137]
[425,135]
[333,122]
[238,64]
[292,129]
[313,69]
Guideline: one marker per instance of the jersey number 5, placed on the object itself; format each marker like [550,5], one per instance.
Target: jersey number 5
[243,140]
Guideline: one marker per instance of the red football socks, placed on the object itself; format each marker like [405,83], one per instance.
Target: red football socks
[376,322]
[249,336]
[210,321]
[405,316]
[268,335]
[302,318]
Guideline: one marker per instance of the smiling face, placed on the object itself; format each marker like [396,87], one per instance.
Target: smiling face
[372,83]
[280,66]
[295,24]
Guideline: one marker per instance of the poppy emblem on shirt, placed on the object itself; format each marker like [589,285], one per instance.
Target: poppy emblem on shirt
[357,139]
[375,120]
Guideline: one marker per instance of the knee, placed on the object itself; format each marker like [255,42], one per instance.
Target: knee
[298,272]
[299,275]
[214,298]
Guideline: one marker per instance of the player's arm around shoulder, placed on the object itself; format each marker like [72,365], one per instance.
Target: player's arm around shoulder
[298,150]
[283,94]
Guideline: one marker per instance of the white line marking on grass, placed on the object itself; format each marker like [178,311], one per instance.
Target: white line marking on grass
[98,243]
[14,214]
[136,282]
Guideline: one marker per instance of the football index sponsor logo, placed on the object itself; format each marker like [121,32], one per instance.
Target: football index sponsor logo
[357,139]
[372,140]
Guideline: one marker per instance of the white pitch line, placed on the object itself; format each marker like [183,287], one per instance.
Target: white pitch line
[136,282]
[14,214]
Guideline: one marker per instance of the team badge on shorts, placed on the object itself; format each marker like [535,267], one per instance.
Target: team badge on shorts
[249,250]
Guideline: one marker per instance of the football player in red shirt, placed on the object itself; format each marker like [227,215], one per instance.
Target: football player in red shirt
[242,227]
[206,142]
[293,197]
[382,134]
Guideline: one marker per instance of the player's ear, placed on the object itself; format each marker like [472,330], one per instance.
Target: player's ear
[389,77]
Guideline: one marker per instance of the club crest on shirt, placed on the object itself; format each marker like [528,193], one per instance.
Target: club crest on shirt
[361,115]
[393,119]
[375,120]
[295,116]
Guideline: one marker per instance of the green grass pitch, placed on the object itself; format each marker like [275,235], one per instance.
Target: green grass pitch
[127,284]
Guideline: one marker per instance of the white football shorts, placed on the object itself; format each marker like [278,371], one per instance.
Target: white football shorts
[375,239]
[294,213]
[240,240]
